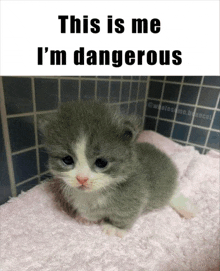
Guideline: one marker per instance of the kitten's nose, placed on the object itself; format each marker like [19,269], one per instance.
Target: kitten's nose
[82,179]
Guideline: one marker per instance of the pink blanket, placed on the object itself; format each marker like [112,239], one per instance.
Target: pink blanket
[36,236]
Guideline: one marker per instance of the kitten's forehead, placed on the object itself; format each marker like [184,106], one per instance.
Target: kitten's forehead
[82,166]
[82,116]
[79,148]
[94,125]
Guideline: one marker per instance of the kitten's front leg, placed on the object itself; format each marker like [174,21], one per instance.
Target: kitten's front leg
[118,225]
[85,221]
[183,205]
[111,230]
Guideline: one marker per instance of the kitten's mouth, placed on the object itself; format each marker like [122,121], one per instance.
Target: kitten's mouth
[83,187]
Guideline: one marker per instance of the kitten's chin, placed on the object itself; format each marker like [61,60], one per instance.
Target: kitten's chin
[88,189]
[84,188]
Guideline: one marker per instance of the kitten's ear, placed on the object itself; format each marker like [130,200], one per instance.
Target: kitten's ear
[131,128]
[44,120]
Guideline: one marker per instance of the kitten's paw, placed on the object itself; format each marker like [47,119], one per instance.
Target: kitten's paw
[84,221]
[112,230]
[183,206]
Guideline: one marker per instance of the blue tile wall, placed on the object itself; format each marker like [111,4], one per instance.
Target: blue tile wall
[134,91]
[46,94]
[26,186]
[18,95]
[87,90]
[21,132]
[27,98]
[132,108]
[102,89]
[216,122]
[152,108]
[140,108]
[174,78]
[193,79]
[150,123]
[214,139]
[69,90]
[43,156]
[189,94]
[155,89]
[171,92]
[124,108]
[125,91]
[208,97]
[186,109]
[5,189]
[180,132]
[25,165]
[167,110]
[212,80]
[203,117]
[142,91]
[184,113]
[198,136]
[164,128]
[114,91]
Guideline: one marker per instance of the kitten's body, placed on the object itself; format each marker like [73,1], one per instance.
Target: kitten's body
[111,177]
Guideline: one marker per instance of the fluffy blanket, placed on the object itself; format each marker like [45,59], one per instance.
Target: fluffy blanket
[37,236]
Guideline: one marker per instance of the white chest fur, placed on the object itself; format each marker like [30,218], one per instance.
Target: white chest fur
[91,206]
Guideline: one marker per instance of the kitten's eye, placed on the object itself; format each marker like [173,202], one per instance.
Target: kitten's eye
[68,160]
[101,163]
[128,134]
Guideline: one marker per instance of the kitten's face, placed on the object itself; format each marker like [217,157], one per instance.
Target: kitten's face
[89,149]
[84,169]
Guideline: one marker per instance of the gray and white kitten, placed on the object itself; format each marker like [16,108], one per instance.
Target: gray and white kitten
[101,173]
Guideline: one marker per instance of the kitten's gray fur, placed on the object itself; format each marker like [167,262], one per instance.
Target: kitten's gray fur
[149,176]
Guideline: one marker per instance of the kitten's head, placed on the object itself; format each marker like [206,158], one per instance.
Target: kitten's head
[90,144]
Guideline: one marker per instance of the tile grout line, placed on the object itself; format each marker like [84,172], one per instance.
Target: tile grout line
[6,137]
[187,84]
[192,144]
[79,93]
[184,104]
[183,123]
[120,91]
[145,100]
[27,149]
[85,78]
[109,90]
[160,103]
[24,150]
[59,91]
[177,105]
[96,89]
[55,110]
[129,97]
[124,102]
[136,100]
[28,114]
[35,127]
[119,79]
[32,178]
[193,117]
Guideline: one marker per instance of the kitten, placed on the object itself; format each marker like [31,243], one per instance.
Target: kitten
[100,171]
